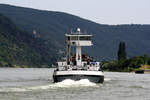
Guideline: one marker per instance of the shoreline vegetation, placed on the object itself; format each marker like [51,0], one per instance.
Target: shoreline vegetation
[124,64]
[114,66]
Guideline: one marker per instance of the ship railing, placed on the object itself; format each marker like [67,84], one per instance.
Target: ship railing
[71,67]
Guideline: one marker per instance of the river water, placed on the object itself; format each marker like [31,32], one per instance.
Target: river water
[37,84]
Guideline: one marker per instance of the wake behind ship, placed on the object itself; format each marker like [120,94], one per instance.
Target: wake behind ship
[78,66]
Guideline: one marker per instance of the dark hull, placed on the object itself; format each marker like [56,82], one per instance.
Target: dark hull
[91,78]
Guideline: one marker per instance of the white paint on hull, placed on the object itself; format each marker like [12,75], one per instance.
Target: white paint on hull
[77,72]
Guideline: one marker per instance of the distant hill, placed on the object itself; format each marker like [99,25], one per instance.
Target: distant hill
[51,26]
[18,48]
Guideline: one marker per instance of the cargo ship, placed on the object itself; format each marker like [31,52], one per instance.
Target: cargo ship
[78,66]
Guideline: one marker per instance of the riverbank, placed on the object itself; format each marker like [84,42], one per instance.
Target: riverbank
[127,65]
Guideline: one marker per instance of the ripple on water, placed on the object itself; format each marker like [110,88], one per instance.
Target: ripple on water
[137,86]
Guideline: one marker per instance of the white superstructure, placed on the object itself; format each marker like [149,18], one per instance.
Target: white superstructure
[78,40]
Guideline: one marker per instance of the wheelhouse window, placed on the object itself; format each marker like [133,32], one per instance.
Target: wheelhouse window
[85,38]
[74,38]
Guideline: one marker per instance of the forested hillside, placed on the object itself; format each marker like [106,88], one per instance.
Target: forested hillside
[18,48]
[51,26]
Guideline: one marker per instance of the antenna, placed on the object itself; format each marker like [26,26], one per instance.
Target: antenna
[78,30]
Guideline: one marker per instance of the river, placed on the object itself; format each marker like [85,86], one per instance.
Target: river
[37,84]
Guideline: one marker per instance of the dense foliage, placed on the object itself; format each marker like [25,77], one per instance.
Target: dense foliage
[51,26]
[18,48]
[122,51]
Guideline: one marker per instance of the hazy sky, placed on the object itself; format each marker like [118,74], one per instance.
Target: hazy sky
[100,11]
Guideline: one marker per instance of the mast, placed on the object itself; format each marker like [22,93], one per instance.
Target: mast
[78,50]
[78,40]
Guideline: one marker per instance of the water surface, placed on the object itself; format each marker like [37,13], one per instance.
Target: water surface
[37,84]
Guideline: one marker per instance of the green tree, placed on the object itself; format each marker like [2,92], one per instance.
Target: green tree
[122,51]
